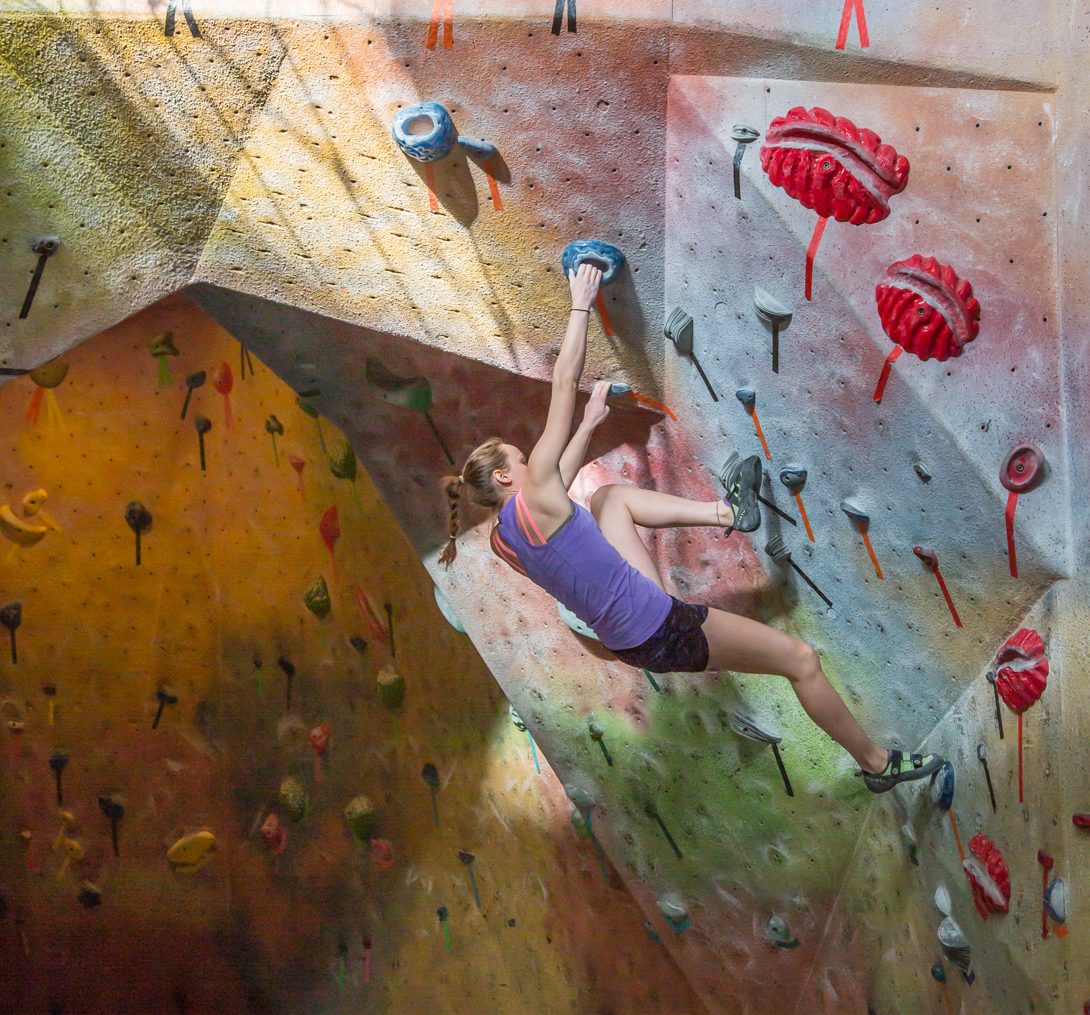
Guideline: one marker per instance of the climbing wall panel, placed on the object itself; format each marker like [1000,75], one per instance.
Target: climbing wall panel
[977,39]
[286,914]
[121,144]
[325,209]
[956,420]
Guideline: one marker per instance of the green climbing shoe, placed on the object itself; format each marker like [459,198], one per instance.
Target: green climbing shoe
[902,768]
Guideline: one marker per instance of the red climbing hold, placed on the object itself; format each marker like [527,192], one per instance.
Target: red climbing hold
[988,875]
[1021,670]
[828,164]
[1021,674]
[926,308]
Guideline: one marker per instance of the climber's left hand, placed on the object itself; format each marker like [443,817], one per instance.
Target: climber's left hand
[597,410]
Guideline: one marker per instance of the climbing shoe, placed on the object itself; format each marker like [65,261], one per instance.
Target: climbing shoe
[902,768]
[742,478]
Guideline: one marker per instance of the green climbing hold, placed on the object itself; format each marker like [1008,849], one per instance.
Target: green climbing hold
[408,392]
[317,598]
[391,687]
[163,345]
[293,798]
[360,815]
[579,823]
[342,461]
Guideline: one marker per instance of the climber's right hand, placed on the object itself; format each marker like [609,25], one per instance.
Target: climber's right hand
[584,285]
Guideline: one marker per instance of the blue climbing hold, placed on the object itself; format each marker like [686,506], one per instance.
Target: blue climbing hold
[424,131]
[599,253]
[942,787]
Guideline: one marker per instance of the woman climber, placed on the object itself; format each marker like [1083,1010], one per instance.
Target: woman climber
[595,563]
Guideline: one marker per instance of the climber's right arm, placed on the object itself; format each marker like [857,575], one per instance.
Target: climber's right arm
[544,460]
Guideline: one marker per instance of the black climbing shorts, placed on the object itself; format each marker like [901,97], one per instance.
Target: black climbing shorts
[678,646]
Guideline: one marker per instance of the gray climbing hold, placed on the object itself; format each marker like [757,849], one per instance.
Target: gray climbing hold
[776,315]
[779,933]
[447,611]
[579,796]
[794,478]
[955,946]
[574,622]
[912,844]
[746,726]
[744,136]
[854,512]
[1056,899]
[679,329]
[671,907]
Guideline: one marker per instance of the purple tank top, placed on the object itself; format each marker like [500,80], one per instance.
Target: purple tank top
[578,566]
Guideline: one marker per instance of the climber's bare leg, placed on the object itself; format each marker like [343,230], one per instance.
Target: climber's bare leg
[746,646]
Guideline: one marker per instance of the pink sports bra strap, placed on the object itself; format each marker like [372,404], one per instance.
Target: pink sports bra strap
[527,519]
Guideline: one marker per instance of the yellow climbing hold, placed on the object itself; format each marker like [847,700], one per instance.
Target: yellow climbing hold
[33,503]
[18,531]
[191,852]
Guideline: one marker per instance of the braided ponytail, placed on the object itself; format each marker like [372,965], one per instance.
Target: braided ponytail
[452,487]
[477,475]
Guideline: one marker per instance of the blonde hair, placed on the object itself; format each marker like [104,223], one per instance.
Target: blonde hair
[477,475]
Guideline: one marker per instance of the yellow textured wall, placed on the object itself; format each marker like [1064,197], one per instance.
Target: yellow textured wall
[223,570]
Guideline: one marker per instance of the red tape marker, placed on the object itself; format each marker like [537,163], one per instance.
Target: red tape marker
[652,403]
[811,253]
[946,596]
[1021,798]
[1012,504]
[846,20]
[861,23]
[883,377]
[845,24]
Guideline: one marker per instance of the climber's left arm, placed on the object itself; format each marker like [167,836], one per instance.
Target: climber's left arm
[571,461]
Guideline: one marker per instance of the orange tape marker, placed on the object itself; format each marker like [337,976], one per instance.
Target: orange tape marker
[448,24]
[873,557]
[433,25]
[604,314]
[494,189]
[805,518]
[429,180]
[761,434]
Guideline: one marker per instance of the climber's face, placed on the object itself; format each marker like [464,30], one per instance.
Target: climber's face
[512,478]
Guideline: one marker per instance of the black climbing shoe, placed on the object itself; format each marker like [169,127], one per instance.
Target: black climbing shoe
[902,768]
[742,483]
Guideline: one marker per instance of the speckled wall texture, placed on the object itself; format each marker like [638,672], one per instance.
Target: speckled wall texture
[252,167]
